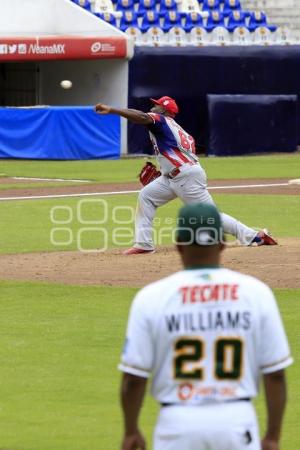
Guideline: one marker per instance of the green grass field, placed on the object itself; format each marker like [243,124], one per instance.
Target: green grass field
[126,170]
[60,344]
[31,220]
[60,347]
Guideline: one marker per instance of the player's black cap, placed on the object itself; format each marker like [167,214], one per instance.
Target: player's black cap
[200,224]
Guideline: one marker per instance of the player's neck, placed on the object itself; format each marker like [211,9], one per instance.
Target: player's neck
[202,266]
[194,258]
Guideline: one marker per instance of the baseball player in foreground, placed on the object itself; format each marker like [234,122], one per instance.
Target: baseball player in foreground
[180,175]
[205,335]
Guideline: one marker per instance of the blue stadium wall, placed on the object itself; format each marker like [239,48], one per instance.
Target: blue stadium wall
[195,76]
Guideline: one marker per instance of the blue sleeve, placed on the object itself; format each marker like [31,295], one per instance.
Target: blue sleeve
[158,123]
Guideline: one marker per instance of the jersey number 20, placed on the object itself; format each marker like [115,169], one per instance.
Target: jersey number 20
[227,358]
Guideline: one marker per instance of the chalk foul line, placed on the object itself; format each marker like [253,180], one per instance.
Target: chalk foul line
[90,194]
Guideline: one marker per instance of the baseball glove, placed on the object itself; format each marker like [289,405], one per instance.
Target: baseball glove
[148,173]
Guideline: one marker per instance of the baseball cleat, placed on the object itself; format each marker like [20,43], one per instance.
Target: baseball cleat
[266,238]
[137,251]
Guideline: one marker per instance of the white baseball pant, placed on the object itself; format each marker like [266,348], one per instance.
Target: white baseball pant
[190,186]
[223,426]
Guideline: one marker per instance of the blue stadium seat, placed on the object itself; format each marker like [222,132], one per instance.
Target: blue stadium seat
[167,5]
[171,19]
[83,3]
[259,19]
[144,6]
[150,19]
[129,19]
[210,5]
[193,20]
[237,19]
[231,5]
[125,5]
[215,19]
[108,17]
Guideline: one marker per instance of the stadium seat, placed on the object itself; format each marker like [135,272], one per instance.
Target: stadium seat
[166,6]
[171,19]
[241,36]
[187,6]
[193,20]
[135,34]
[83,3]
[150,20]
[220,36]
[210,5]
[125,5]
[129,19]
[109,18]
[144,6]
[199,37]
[263,36]
[102,7]
[283,36]
[236,19]
[230,6]
[154,37]
[176,37]
[216,19]
[259,19]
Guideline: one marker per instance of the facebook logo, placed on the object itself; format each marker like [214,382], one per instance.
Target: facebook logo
[3,49]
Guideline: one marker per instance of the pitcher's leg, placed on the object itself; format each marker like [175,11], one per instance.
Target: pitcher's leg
[241,231]
[155,194]
[191,187]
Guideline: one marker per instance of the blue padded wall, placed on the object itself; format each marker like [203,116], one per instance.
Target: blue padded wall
[64,133]
[190,74]
[245,124]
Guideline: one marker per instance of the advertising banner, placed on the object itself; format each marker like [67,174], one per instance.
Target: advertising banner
[64,48]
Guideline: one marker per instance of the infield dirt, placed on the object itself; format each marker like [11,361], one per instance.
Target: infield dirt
[275,265]
[290,189]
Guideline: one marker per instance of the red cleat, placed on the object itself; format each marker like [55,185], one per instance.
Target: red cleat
[266,238]
[137,251]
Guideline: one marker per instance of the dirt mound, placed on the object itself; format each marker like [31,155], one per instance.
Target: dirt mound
[275,265]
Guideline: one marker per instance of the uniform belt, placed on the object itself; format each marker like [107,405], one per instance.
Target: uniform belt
[173,173]
[177,170]
[246,399]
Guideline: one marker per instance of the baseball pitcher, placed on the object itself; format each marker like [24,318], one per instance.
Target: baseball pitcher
[180,175]
[205,336]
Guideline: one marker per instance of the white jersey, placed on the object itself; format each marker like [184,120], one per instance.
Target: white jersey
[205,335]
[172,145]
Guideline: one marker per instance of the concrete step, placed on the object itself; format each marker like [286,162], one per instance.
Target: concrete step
[279,12]
[262,4]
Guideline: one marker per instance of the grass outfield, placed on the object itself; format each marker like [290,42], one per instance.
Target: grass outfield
[126,170]
[27,225]
[60,346]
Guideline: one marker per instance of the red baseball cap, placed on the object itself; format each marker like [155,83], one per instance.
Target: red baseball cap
[167,103]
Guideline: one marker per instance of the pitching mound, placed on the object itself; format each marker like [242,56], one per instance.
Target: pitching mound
[276,265]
